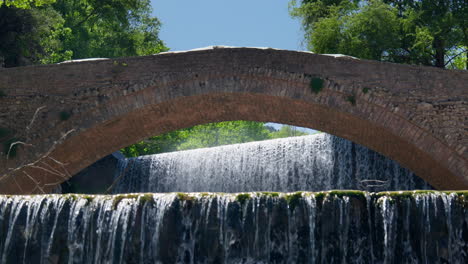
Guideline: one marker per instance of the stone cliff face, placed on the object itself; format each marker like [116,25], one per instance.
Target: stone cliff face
[325,227]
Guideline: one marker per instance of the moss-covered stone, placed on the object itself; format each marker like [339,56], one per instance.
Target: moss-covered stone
[242,197]
[146,198]
[348,193]
[270,194]
[293,199]
[118,198]
[185,197]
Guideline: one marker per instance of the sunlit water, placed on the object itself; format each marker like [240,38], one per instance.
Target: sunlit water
[313,163]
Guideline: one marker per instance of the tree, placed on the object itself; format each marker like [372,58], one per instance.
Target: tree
[287,131]
[166,142]
[50,31]
[209,135]
[110,28]
[25,4]
[224,133]
[425,32]
[27,36]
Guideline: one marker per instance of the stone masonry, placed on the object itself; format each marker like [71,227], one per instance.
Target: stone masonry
[70,115]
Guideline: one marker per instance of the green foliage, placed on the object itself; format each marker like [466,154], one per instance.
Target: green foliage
[2,94]
[287,131]
[365,90]
[25,4]
[209,135]
[27,36]
[316,85]
[423,32]
[158,144]
[223,133]
[110,28]
[64,115]
[51,31]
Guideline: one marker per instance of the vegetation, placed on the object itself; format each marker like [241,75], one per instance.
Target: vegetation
[424,32]
[316,85]
[242,198]
[351,99]
[293,199]
[209,135]
[185,197]
[50,31]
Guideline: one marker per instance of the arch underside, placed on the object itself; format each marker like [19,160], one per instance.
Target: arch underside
[83,149]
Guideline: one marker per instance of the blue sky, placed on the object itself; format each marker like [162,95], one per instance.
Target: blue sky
[190,24]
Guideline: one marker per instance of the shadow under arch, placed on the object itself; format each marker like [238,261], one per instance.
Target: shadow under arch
[255,85]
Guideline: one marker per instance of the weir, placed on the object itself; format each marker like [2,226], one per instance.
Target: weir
[308,163]
[212,219]
[302,227]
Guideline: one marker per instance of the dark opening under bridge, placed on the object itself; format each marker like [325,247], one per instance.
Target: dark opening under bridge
[70,115]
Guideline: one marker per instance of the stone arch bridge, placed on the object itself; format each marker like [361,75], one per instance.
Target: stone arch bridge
[70,115]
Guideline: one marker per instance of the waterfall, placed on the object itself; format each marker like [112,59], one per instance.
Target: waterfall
[308,163]
[301,227]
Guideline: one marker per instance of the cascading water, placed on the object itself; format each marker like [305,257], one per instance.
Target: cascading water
[325,227]
[310,163]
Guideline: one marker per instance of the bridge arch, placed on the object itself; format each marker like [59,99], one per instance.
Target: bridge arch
[114,103]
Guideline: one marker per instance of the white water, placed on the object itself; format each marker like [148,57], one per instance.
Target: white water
[210,228]
[311,163]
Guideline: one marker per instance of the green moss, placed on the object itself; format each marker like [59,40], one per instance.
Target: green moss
[72,197]
[271,194]
[316,84]
[293,199]
[64,115]
[2,94]
[124,64]
[116,63]
[146,198]
[185,197]
[365,90]
[89,198]
[242,198]
[118,198]
[319,197]
[403,195]
[459,193]
[351,99]
[349,193]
